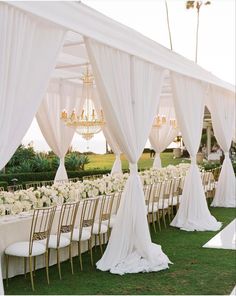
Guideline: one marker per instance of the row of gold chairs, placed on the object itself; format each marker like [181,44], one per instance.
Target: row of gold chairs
[162,199]
[78,222]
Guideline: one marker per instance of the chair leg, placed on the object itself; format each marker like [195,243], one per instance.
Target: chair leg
[91,250]
[164,217]
[31,272]
[158,220]
[100,242]
[80,256]
[71,259]
[7,264]
[25,265]
[58,263]
[153,222]
[34,264]
[46,264]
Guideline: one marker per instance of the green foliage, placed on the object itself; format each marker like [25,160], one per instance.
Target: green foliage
[41,163]
[75,162]
[47,176]
[22,154]
[4,184]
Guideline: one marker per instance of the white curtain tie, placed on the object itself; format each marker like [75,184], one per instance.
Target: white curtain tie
[226,154]
[133,167]
[62,160]
[193,159]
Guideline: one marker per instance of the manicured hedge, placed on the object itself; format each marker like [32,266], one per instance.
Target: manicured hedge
[4,184]
[46,176]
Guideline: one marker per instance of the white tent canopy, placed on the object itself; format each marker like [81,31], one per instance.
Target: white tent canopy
[145,72]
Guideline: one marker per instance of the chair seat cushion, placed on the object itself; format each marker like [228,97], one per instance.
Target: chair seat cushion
[162,204]
[86,234]
[21,249]
[64,241]
[103,228]
[152,207]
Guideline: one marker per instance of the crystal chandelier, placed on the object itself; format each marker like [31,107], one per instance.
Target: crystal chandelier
[88,122]
[161,120]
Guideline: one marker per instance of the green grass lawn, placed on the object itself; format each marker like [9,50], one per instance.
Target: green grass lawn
[195,270]
[106,161]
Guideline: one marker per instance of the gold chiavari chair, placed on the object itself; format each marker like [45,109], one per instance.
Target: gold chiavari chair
[147,194]
[153,209]
[176,197]
[38,242]
[116,205]
[102,224]
[210,193]
[74,179]
[63,237]
[84,227]
[35,185]
[14,188]
[47,183]
[165,200]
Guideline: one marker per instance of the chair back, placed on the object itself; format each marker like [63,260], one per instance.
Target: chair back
[156,192]
[14,188]
[67,219]
[116,202]
[87,211]
[35,185]
[167,190]
[47,183]
[105,203]
[41,225]
[147,193]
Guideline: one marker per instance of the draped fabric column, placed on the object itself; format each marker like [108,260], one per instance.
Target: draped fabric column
[129,90]
[161,137]
[60,95]
[222,107]
[117,166]
[28,52]
[189,101]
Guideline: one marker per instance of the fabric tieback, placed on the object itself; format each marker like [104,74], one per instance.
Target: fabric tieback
[193,159]
[226,154]
[62,160]
[133,167]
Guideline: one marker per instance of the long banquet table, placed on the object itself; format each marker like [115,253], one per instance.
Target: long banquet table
[17,228]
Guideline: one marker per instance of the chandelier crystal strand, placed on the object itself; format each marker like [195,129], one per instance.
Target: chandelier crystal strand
[89,122]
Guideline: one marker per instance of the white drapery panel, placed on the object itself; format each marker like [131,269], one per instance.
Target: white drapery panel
[60,95]
[160,138]
[129,91]
[189,101]
[117,166]
[222,107]
[28,52]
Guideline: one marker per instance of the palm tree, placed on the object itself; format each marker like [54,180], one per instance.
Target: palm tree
[197,5]
[168,24]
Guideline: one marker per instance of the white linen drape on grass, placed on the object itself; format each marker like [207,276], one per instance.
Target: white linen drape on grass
[222,107]
[129,91]
[189,101]
[60,95]
[28,52]
[117,166]
[160,138]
